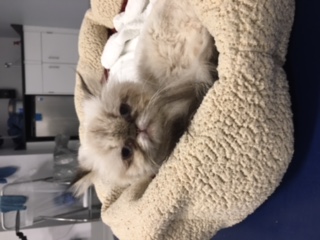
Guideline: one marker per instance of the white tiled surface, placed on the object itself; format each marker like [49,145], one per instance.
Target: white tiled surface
[66,232]
[40,164]
[84,231]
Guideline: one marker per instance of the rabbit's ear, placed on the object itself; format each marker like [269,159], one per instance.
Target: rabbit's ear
[84,86]
[82,181]
[105,76]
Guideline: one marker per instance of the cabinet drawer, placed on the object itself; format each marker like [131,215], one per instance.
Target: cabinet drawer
[59,48]
[32,46]
[33,78]
[59,78]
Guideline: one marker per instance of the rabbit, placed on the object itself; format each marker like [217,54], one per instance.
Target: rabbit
[132,127]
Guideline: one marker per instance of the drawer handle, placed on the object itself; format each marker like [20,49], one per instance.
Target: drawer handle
[54,57]
[56,67]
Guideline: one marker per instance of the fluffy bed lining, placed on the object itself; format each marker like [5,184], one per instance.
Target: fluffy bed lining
[240,141]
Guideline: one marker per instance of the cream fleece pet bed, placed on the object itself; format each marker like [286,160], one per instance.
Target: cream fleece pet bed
[240,141]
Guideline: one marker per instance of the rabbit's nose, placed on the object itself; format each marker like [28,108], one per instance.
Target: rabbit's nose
[132,130]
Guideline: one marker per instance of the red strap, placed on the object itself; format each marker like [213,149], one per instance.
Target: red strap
[124,4]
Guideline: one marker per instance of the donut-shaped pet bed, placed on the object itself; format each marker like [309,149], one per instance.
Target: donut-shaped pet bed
[240,141]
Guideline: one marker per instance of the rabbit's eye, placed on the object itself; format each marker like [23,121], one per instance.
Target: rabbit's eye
[126,153]
[125,111]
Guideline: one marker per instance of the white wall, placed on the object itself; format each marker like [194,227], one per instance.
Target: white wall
[46,13]
[10,77]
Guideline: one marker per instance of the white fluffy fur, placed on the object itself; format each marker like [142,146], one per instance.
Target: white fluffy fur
[174,63]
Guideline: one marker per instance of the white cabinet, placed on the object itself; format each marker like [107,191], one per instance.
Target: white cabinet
[32,49]
[59,48]
[33,76]
[58,78]
[51,55]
